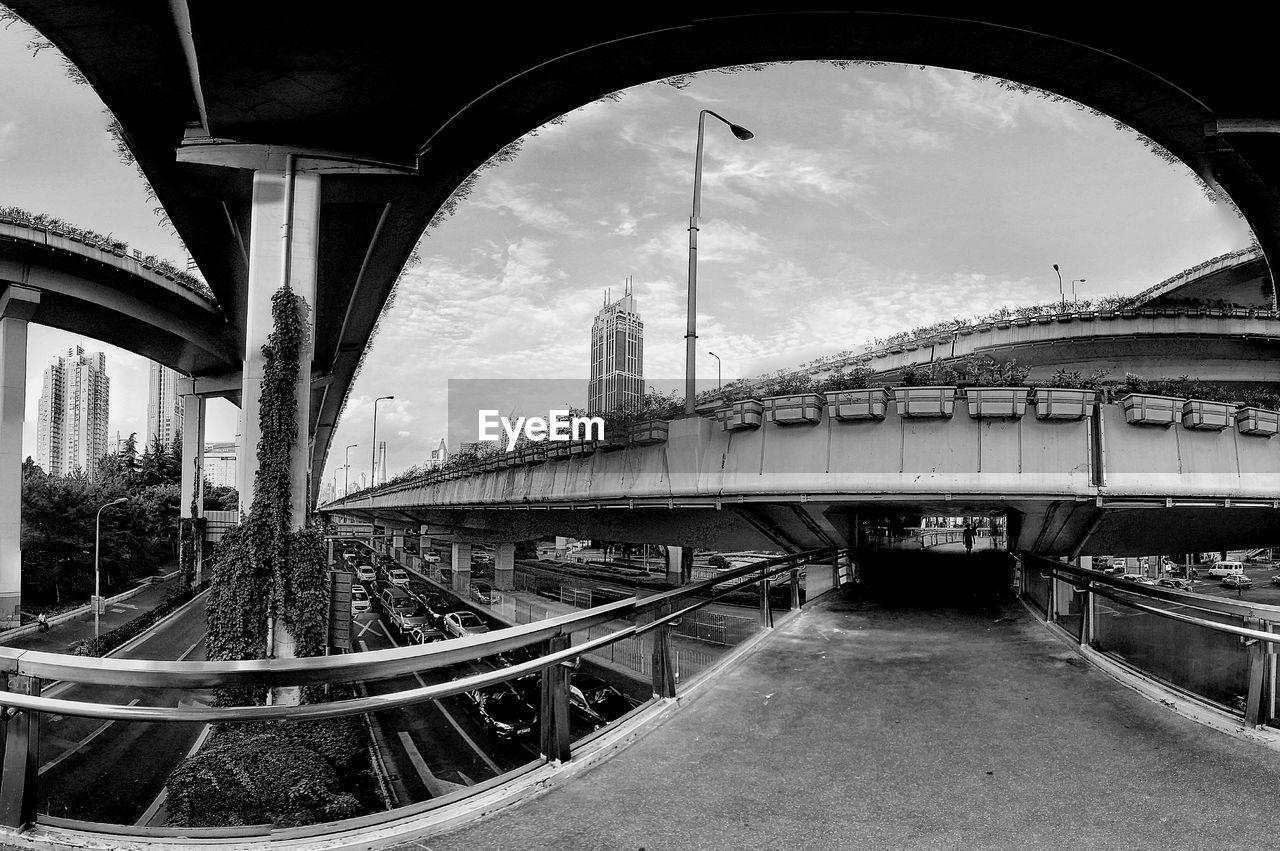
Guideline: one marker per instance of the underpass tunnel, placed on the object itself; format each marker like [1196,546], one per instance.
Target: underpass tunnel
[929,561]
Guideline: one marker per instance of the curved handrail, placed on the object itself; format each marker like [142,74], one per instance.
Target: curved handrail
[379,664]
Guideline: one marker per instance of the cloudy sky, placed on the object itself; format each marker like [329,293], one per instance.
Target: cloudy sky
[872,200]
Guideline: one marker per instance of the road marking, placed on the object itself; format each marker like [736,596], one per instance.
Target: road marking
[493,766]
[191,649]
[437,787]
[147,817]
[86,740]
[367,626]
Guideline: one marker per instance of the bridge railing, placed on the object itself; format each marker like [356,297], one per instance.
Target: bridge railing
[642,628]
[1215,650]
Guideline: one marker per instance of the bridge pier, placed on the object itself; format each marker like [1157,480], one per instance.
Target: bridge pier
[284,242]
[191,494]
[461,567]
[504,566]
[679,564]
[17,306]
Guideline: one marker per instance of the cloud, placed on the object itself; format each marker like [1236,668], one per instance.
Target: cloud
[8,135]
[523,202]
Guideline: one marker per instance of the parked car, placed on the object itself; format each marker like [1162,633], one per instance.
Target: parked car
[464,623]
[1180,584]
[408,616]
[359,600]
[1227,568]
[425,635]
[502,710]
[1115,570]
[603,698]
[481,557]
[1181,570]
[398,577]
[436,606]
[366,573]
[1132,577]
[431,556]
[482,592]
[1236,581]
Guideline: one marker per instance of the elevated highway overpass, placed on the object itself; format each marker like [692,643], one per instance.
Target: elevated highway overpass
[1096,484]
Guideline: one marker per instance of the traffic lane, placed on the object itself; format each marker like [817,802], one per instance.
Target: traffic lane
[434,735]
[82,759]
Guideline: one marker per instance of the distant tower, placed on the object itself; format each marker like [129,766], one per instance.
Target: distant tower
[381,475]
[71,433]
[617,355]
[164,407]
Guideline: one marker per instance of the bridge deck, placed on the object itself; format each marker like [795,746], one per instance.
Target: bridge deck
[866,726]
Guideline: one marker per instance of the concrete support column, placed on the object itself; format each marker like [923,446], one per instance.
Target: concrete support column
[284,242]
[675,565]
[461,568]
[193,471]
[17,306]
[267,264]
[504,567]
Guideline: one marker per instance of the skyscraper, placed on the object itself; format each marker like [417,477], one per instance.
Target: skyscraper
[617,355]
[71,433]
[164,407]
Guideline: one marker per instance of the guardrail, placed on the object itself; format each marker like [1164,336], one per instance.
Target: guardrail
[27,670]
[1215,650]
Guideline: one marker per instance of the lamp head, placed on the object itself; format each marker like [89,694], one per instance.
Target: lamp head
[741,132]
[1055,267]
[118,500]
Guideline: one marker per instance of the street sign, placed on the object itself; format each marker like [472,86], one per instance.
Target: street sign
[340,609]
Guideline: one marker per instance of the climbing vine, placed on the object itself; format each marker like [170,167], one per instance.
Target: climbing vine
[268,571]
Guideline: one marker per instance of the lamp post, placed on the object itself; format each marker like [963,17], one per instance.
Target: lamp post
[373,464]
[691,332]
[1061,293]
[1073,288]
[97,578]
[717,357]
[346,471]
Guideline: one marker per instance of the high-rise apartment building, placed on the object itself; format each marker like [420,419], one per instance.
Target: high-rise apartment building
[220,460]
[71,433]
[617,355]
[164,407]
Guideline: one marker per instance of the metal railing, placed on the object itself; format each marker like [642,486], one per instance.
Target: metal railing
[1212,649]
[653,617]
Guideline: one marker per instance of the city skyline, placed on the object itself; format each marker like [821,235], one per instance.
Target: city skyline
[73,412]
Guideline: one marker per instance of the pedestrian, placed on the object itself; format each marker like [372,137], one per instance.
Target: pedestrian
[968,539]
[43,622]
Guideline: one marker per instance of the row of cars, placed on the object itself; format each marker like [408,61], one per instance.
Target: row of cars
[508,710]
[1182,577]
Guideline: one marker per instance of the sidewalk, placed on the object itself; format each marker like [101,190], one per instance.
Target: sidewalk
[61,636]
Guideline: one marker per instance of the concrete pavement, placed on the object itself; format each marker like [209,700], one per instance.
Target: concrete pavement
[862,725]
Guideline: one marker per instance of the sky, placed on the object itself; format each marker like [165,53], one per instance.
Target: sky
[871,200]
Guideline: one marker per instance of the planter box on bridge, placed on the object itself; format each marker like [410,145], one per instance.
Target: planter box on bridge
[1210,416]
[582,448]
[1147,409]
[534,453]
[925,401]
[558,451]
[796,409]
[650,432]
[614,442]
[747,413]
[1063,403]
[1259,421]
[996,401]
[853,405]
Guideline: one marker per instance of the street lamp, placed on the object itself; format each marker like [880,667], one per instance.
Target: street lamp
[1060,290]
[717,357]
[346,471]
[97,579]
[691,332]
[1073,288]
[373,463]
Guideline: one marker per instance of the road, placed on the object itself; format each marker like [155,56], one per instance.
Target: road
[112,771]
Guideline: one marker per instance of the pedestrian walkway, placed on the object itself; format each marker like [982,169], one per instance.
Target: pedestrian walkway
[61,636]
[863,726]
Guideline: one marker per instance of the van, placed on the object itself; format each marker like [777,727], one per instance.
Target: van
[1227,568]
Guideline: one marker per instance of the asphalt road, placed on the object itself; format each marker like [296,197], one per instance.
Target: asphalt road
[112,771]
